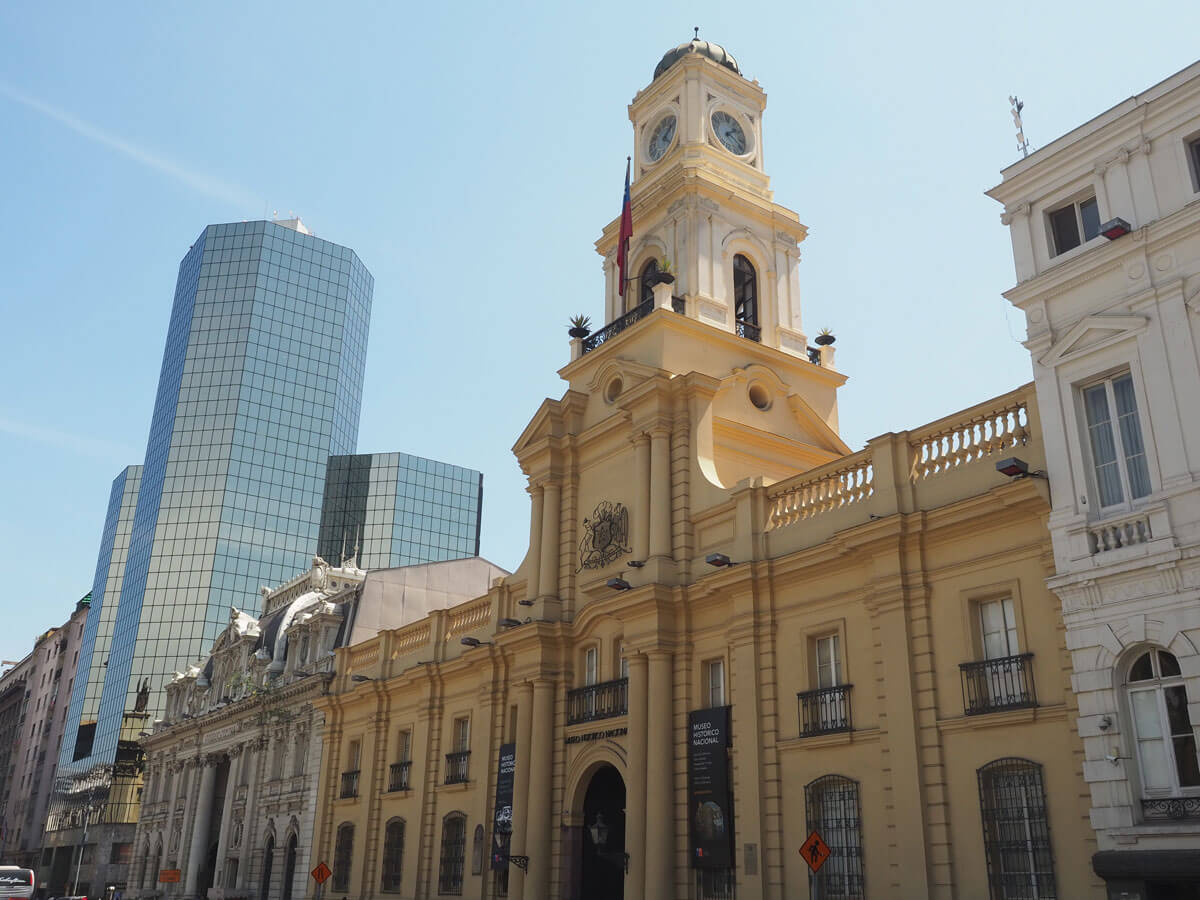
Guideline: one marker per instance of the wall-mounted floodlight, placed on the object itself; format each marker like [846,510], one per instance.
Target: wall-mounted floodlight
[524,603]
[510,623]
[636,563]
[617,583]
[1013,467]
[720,560]
[1115,229]
[361,678]
[472,642]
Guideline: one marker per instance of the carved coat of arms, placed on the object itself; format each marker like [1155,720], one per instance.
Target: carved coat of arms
[605,536]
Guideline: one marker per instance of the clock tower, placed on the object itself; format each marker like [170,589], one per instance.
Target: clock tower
[702,203]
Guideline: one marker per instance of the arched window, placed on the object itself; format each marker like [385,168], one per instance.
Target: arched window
[1162,729]
[646,282]
[454,847]
[745,291]
[155,861]
[393,854]
[343,856]
[477,851]
[289,868]
[268,864]
[1016,832]
[832,808]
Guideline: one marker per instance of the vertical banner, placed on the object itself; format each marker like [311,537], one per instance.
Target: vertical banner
[502,822]
[710,808]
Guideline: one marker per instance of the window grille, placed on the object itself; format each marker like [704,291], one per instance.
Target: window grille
[454,848]
[1016,832]
[832,807]
[343,855]
[393,854]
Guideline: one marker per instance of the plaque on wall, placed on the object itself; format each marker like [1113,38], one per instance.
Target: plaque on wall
[605,536]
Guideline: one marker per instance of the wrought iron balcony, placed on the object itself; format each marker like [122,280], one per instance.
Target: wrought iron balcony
[748,330]
[814,355]
[598,701]
[398,776]
[995,684]
[349,784]
[1170,808]
[616,326]
[456,766]
[825,711]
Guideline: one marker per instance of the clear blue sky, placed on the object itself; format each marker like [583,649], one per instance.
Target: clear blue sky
[471,155]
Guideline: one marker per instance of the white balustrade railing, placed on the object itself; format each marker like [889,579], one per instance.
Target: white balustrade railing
[846,481]
[1122,533]
[979,434]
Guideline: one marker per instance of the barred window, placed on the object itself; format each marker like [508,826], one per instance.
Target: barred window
[1016,832]
[832,807]
[343,855]
[454,848]
[393,854]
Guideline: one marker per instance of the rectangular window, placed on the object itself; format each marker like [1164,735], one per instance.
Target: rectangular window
[462,734]
[714,675]
[590,662]
[622,661]
[1193,149]
[353,756]
[827,656]
[998,628]
[404,746]
[1069,222]
[1118,454]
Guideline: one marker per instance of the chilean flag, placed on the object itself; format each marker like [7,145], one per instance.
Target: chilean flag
[626,233]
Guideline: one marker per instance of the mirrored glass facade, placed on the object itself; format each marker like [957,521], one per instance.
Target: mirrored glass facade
[399,510]
[261,382]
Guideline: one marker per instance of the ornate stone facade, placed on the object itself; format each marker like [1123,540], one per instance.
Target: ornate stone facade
[1105,228]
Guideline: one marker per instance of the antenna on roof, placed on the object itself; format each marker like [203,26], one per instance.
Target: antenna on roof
[1022,144]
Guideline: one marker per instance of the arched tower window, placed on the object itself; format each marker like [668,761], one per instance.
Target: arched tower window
[646,282]
[745,290]
[343,855]
[832,808]
[1162,728]
[1016,832]
[393,855]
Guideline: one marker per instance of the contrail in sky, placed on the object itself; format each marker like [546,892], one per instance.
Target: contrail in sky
[205,184]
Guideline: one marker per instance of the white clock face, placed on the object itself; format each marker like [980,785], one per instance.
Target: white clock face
[661,137]
[729,132]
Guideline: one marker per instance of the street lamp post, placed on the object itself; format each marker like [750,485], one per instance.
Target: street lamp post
[87,815]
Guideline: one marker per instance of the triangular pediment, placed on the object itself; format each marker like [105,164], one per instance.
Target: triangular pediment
[1092,333]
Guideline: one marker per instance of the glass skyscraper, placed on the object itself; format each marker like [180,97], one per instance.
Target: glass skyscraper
[399,510]
[261,382]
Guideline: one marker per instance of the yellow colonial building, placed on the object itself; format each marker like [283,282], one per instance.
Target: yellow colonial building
[736,651]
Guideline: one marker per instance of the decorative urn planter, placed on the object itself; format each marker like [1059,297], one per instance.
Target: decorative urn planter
[579,332]
[662,278]
[824,340]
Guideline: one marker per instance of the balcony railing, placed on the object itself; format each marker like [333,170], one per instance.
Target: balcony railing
[748,330]
[598,701]
[349,784]
[1171,808]
[456,766]
[825,711]
[995,684]
[616,326]
[398,776]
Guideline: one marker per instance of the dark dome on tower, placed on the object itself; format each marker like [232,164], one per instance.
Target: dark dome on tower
[715,52]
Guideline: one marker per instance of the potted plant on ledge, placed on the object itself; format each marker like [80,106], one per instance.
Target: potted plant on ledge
[665,273]
[825,338]
[580,326]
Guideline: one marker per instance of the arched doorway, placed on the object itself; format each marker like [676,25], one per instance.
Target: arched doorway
[602,857]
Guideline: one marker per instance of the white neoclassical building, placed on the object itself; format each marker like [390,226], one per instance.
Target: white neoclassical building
[231,769]
[1105,228]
